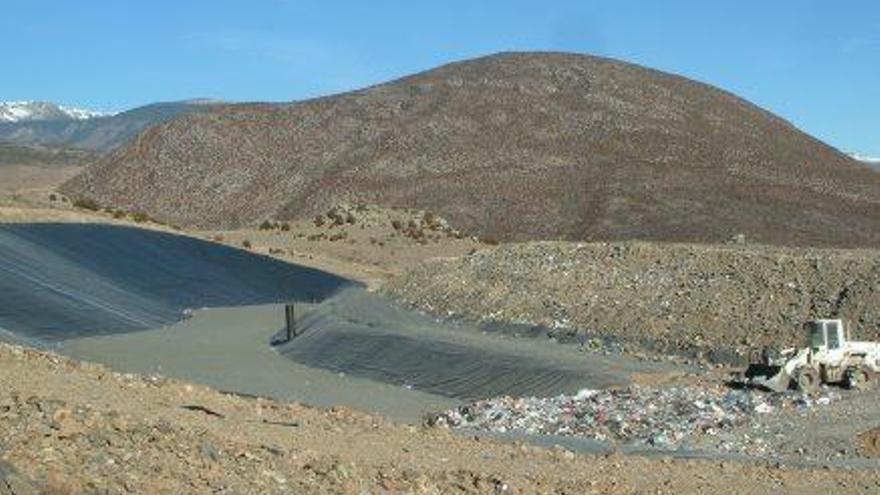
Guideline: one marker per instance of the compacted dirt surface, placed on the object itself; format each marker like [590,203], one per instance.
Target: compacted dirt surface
[72,427]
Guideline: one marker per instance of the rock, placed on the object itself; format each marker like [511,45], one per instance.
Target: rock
[209,451]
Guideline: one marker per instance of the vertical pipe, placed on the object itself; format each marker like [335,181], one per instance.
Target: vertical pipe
[290,321]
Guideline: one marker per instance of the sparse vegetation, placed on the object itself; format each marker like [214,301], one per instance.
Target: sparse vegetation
[140,217]
[86,204]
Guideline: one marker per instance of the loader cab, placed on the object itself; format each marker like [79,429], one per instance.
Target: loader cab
[826,336]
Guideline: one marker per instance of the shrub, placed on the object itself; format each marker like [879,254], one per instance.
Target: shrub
[140,217]
[53,198]
[118,214]
[285,227]
[431,220]
[86,204]
[319,220]
[396,224]
[246,244]
[267,225]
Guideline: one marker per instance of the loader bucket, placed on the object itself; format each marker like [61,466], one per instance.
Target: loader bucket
[773,378]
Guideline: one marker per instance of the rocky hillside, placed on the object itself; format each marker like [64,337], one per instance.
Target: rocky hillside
[516,146]
[718,302]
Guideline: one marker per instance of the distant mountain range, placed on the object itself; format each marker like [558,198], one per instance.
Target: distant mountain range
[49,124]
[514,146]
[31,111]
[869,161]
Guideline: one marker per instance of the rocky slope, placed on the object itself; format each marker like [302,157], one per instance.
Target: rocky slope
[513,146]
[718,302]
[71,427]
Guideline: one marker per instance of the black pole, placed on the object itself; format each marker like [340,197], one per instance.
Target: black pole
[290,321]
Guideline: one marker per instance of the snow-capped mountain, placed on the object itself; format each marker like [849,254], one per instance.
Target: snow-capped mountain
[47,124]
[32,111]
[867,160]
[863,158]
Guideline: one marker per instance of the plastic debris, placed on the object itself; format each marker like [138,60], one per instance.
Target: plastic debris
[659,417]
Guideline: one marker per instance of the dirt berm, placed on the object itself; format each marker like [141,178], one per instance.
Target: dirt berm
[717,302]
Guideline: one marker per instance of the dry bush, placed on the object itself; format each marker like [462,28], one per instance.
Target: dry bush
[140,217]
[86,204]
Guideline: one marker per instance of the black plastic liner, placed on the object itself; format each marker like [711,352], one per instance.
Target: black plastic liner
[368,336]
[60,281]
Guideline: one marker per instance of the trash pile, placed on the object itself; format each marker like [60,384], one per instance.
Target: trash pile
[659,417]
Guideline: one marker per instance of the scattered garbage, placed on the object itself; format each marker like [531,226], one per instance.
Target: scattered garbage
[660,417]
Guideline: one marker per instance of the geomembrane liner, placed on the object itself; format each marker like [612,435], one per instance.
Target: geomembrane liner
[366,335]
[60,281]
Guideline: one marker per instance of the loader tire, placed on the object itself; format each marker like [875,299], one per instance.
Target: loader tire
[807,380]
[861,378]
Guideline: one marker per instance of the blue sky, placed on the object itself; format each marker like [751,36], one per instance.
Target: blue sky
[816,63]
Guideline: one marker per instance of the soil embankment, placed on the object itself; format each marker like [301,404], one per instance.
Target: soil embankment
[717,302]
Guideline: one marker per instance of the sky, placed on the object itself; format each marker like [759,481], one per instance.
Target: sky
[815,63]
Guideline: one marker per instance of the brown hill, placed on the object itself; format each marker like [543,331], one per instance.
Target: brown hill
[513,146]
